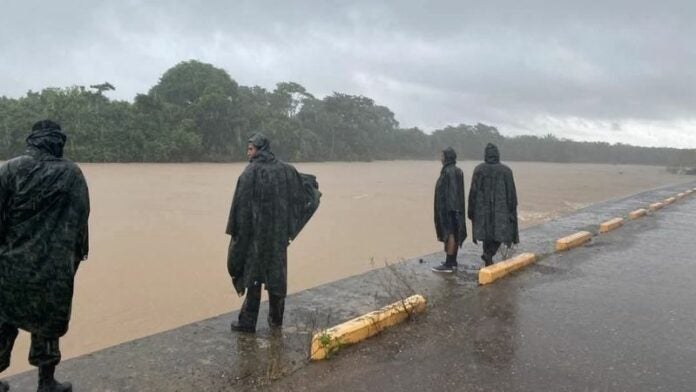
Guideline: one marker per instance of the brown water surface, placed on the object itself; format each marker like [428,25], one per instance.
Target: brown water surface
[158,243]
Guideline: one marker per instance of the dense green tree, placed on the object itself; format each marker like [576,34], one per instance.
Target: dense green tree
[197,112]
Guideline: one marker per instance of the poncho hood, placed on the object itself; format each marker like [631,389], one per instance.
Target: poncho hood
[46,137]
[449,156]
[263,145]
[492,154]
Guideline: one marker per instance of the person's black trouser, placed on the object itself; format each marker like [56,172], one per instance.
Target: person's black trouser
[43,351]
[250,309]
[452,231]
[490,248]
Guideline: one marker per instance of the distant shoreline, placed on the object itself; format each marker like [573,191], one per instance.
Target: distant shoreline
[350,162]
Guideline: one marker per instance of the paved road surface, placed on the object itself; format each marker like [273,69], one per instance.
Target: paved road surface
[617,315]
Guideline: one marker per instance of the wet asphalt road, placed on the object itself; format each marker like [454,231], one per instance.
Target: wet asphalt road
[616,315]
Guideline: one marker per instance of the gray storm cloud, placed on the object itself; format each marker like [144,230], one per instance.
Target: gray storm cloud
[616,71]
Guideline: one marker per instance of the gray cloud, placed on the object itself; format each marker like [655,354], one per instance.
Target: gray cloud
[620,71]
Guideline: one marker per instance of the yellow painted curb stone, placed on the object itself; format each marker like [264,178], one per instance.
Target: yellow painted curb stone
[656,206]
[610,225]
[573,241]
[360,328]
[638,213]
[498,270]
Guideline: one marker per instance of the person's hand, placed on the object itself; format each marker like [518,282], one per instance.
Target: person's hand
[235,280]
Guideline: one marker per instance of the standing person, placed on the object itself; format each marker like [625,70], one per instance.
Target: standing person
[493,205]
[44,207]
[271,204]
[450,224]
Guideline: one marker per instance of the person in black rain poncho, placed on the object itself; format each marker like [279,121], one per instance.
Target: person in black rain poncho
[493,205]
[44,207]
[272,203]
[450,224]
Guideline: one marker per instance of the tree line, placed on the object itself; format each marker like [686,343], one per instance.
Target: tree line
[197,112]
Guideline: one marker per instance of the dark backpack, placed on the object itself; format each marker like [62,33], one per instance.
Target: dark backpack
[305,203]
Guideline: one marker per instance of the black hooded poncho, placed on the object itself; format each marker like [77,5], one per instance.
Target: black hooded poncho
[493,201]
[44,207]
[272,203]
[450,200]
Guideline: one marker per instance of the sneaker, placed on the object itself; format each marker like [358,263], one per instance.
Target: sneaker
[444,268]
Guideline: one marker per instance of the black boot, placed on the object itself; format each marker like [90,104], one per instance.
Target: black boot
[4,387]
[239,327]
[47,382]
[276,309]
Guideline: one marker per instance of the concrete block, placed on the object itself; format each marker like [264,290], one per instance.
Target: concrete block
[680,195]
[610,225]
[498,270]
[638,213]
[656,206]
[669,201]
[360,328]
[573,241]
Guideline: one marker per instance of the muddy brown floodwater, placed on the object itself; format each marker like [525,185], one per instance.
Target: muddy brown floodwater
[158,243]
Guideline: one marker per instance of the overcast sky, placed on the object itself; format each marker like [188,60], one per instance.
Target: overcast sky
[621,71]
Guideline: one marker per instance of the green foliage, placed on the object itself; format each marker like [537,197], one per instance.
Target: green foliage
[330,345]
[189,81]
[197,112]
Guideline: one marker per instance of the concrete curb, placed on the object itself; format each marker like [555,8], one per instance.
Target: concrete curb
[639,213]
[656,206]
[360,328]
[610,225]
[573,241]
[498,270]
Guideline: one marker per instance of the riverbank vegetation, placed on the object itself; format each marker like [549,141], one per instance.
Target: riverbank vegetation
[197,112]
